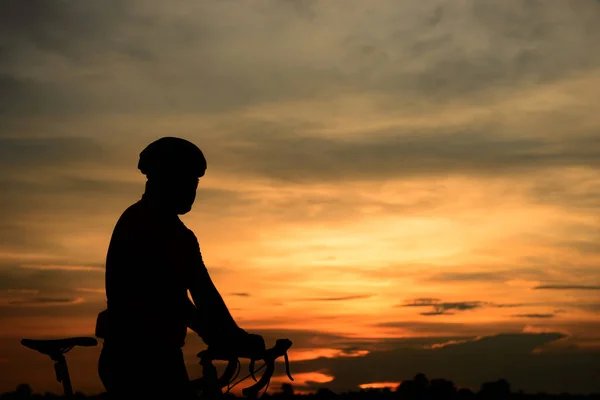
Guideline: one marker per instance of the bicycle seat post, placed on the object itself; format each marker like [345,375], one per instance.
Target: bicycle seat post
[56,350]
[62,372]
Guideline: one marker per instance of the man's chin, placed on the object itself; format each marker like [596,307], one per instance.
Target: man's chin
[184,210]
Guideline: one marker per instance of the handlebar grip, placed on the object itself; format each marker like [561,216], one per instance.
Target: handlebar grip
[280,349]
[208,370]
[225,379]
[253,390]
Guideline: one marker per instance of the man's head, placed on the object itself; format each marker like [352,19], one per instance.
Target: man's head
[173,167]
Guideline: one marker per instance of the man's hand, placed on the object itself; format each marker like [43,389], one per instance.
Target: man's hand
[240,343]
[251,346]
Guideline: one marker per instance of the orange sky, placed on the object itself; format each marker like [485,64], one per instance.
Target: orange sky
[414,180]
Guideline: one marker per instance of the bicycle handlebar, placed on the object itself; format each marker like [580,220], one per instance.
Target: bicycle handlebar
[269,357]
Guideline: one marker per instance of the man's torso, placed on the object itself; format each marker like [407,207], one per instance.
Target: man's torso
[148,267]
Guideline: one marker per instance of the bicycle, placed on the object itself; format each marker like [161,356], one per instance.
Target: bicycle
[210,385]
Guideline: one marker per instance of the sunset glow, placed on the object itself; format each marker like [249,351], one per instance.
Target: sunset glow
[380,385]
[396,188]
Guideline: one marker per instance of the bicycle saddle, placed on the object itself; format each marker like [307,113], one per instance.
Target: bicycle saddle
[51,347]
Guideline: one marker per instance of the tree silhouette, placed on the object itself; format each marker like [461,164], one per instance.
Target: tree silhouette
[287,391]
[465,393]
[499,389]
[441,389]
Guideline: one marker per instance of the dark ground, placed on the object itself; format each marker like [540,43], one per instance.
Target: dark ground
[419,388]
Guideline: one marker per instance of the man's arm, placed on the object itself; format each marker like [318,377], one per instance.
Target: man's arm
[213,316]
[194,321]
[210,316]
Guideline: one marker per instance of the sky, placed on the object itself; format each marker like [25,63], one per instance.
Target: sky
[396,186]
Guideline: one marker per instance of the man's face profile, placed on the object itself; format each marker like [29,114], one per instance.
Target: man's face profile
[178,191]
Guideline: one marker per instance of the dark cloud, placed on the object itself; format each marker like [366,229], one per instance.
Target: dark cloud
[72,193]
[518,45]
[47,152]
[421,328]
[567,287]
[50,25]
[468,360]
[43,301]
[420,302]
[301,159]
[529,269]
[413,342]
[119,56]
[534,315]
[49,280]
[50,291]
[580,193]
[437,312]
[443,308]
[469,363]
[241,294]
[515,305]
[18,238]
[459,276]
[593,307]
[99,60]
[68,197]
[339,298]
[83,308]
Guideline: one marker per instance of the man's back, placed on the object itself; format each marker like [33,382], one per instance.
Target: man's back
[148,267]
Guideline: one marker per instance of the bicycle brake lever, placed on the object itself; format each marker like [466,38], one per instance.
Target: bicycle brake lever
[287,366]
[252,370]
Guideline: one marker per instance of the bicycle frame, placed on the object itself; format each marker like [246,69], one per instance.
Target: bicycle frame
[210,384]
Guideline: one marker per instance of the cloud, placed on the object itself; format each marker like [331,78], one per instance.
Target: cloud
[593,307]
[532,270]
[398,154]
[442,308]
[468,363]
[22,291]
[401,91]
[48,280]
[48,151]
[30,293]
[460,276]
[424,328]
[46,301]
[421,302]
[43,267]
[340,298]
[128,49]
[567,287]
[534,315]
[437,312]
[511,305]
[241,294]
[578,191]
[467,360]
[91,290]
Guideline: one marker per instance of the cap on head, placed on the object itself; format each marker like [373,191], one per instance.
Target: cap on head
[171,155]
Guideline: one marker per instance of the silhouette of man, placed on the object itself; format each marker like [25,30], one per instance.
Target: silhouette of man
[152,262]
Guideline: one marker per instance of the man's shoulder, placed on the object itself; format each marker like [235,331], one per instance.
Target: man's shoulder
[187,231]
[133,213]
[138,219]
